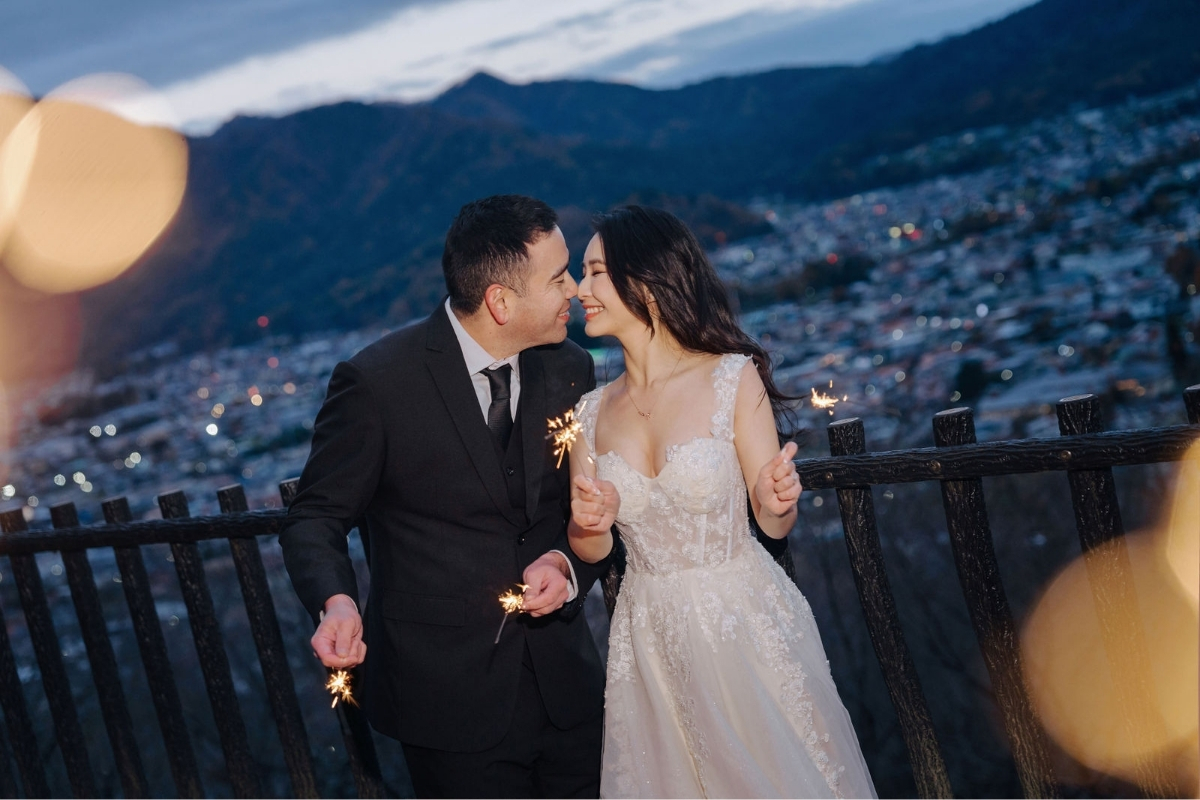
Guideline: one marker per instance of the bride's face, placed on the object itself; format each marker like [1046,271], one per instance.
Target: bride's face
[603,312]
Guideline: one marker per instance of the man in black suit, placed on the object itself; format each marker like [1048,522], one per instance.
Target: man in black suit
[432,441]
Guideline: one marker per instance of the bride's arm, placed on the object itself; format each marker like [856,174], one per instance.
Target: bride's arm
[768,470]
[594,507]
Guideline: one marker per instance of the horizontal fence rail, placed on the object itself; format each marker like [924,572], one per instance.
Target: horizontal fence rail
[957,463]
[241,528]
[993,459]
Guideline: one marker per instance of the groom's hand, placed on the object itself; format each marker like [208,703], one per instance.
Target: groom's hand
[547,582]
[338,641]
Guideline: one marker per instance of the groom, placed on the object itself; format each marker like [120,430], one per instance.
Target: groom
[432,441]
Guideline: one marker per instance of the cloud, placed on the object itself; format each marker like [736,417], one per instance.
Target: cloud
[420,51]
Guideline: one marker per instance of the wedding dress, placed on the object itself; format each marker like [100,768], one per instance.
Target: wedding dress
[718,685]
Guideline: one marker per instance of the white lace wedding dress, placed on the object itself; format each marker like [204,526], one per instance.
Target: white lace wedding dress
[718,685]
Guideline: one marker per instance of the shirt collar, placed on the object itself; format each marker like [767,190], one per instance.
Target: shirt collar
[477,358]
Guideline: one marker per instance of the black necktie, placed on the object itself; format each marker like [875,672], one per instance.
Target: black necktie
[499,419]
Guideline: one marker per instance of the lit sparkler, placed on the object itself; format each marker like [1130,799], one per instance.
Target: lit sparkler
[564,430]
[339,686]
[512,603]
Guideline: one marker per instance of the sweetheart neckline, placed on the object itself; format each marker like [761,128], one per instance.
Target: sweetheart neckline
[670,448]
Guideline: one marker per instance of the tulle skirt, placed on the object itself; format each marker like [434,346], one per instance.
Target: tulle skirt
[718,686]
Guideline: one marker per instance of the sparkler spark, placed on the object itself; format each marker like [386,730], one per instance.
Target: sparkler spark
[339,686]
[512,603]
[564,430]
[824,401]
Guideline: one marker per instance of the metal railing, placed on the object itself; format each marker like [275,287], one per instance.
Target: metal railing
[1085,453]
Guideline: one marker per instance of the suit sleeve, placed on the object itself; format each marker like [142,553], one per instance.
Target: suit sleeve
[585,574]
[338,482]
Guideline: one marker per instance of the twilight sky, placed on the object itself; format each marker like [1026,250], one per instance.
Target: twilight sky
[213,59]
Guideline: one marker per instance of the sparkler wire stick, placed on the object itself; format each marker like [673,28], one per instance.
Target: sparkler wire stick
[512,603]
[564,431]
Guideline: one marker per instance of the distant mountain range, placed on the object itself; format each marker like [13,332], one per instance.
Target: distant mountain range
[333,217]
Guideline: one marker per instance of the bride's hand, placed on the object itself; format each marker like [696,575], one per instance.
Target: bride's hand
[778,485]
[594,503]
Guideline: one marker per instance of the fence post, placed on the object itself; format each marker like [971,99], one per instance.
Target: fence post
[272,656]
[356,731]
[214,662]
[1191,401]
[979,576]
[12,699]
[848,437]
[48,650]
[8,781]
[1110,574]
[105,674]
[160,677]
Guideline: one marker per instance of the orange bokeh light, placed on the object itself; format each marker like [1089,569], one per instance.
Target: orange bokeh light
[1068,669]
[15,103]
[86,191]
[5,435]
[39,333]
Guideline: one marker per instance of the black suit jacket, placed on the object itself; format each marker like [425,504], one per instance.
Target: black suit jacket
[401,448]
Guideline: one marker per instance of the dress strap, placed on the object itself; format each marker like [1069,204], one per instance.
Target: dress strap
[726,377]
[587,410]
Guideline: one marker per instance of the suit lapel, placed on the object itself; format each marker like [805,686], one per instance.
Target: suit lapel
[449,371]
[532,409]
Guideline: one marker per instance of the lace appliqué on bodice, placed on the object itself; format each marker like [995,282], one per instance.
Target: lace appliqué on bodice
[693,513]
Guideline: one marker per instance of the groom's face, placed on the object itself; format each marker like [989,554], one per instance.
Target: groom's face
[540,315]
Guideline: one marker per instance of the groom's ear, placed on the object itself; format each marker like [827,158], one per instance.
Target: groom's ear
[496,298]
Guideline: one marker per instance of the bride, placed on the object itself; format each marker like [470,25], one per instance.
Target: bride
[718,685]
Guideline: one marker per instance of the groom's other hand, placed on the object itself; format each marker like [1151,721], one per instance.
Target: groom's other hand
[338,641]
[548,586]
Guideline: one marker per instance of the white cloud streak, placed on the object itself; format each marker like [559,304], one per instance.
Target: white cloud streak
[423,50]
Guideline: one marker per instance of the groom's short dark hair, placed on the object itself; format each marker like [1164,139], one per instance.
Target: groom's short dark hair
[488,243]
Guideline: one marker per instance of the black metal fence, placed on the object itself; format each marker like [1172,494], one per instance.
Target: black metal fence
[1083,451]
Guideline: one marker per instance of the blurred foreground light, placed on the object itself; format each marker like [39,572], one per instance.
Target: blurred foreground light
[39,332]
[60,480]
[96,431]
[8,492]
[4,434]
[85,188]
[256,400]
[15,103]
[1070,676]
[211,429]
[79,477]
[110,429]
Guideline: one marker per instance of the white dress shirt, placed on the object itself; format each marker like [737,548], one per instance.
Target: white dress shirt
[478,360]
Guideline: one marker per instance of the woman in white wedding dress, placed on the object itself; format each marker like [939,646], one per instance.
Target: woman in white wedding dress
[718,685]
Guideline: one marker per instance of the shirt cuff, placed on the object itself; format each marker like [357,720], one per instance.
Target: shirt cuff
[572,583]
[321,613]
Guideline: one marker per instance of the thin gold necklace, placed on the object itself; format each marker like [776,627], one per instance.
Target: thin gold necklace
[646,414]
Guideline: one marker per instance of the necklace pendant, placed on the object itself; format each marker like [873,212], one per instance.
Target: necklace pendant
[644,414]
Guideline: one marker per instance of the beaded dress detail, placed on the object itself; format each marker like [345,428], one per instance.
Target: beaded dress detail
[718,685]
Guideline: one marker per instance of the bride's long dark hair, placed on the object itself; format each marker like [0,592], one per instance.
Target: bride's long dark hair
[651,254]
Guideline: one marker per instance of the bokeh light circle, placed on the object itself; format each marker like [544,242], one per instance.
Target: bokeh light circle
[5,435]
[15,103]
[39,333]
[88,190]
[1067,666]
